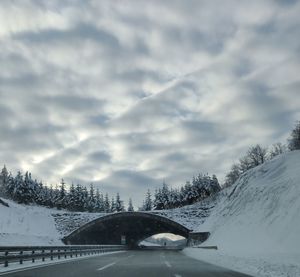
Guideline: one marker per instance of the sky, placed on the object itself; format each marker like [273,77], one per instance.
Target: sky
[128,94]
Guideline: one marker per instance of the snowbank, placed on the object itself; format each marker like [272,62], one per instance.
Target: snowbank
[27,225]
[257,220]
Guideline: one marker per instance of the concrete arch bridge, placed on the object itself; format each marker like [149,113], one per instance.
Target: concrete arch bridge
[128,228]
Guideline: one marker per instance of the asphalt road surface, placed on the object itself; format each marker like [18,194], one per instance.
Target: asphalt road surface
[143,263]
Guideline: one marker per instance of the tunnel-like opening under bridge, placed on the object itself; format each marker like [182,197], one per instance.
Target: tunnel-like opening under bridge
[128,228]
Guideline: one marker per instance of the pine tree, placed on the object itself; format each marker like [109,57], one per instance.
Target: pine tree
[106,204]
[119,204]
[294,140]
[130,206]
[61,202]
[71,198]
[113,207]
[3,181]
[148,201]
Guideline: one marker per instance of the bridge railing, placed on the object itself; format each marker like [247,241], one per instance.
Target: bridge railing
[32,253]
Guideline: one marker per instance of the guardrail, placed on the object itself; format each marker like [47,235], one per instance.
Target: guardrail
[32,253]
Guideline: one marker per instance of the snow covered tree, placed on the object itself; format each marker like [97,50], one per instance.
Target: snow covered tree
[3,181]
[130,206]
[113,207]
[107,208]
[232,175]
[294,140]
[158,203]
[257,155]
[148,201]
[119,204]
[61,201]
[99,202]
[276,149]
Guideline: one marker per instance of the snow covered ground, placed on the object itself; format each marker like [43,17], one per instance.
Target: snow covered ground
[256,222]
[27,225]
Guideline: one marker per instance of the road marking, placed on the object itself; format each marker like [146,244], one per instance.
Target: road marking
[130,256]
[168,264]
[177,275]
[106,266]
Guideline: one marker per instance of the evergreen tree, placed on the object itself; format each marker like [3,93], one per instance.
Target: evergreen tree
[106,204]
[61,202]
[148,202]
[130,206]
[71,198]
[294,140]
[158,203]
[113,207]
[119,204]
[3,181]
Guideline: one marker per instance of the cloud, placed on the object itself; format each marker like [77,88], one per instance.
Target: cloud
[128,94]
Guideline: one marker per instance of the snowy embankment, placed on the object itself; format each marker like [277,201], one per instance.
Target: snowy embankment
[27,225]
[34,225]
[256,222]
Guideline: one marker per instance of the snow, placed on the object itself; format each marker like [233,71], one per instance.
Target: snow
[27,225]
[256,222]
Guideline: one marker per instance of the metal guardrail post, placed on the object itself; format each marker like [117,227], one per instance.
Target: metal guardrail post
[6,261]
[21,260]
[43,257]
[32,252]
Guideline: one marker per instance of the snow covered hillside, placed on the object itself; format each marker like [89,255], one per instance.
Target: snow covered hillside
[27,225]
[261,211]
[256,222]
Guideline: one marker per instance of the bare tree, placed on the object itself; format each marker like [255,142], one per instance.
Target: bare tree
[257,155]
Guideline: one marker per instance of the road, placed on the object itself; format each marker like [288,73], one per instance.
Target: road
[143,263]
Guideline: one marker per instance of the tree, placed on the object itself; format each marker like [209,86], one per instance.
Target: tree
[119,204]
[257,155]
[294,140]
[3,181]
[148,201]
[130,206]
[232,175]
[277,149]
[61,202]
[106,204]
[113,207]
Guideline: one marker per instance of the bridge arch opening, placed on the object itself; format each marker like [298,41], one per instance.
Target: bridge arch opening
[127,228]
[163,240]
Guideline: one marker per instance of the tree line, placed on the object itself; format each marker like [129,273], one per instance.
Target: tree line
[26,190]
[193,191]
[257,155]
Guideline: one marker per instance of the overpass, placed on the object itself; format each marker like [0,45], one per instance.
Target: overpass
[128,228]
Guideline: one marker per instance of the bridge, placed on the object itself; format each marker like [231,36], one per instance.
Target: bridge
[129,228]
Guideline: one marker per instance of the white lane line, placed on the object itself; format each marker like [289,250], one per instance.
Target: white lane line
[177,275]
[130,256]
[106,266]
[168,264]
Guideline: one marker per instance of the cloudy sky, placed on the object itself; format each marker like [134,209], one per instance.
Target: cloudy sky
[126,94]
